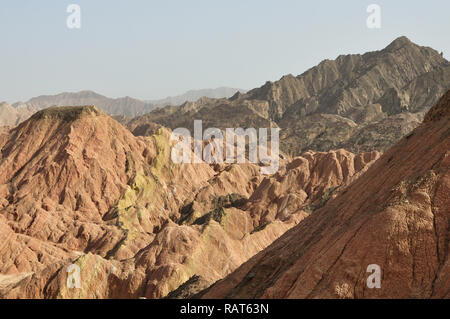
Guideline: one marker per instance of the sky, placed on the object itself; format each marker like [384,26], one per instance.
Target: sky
[152,49]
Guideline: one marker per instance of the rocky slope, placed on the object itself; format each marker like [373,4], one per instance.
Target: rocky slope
[76,187]
[343,103]
[396,216]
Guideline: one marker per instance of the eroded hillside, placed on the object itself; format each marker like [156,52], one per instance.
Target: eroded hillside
[76,187]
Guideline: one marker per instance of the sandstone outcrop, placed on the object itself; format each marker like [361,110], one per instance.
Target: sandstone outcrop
[395,216]
[77,188]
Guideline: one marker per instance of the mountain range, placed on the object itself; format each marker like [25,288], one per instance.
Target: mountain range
[153,222]
[357,102]
[194,95]
[11,115]
[363,181]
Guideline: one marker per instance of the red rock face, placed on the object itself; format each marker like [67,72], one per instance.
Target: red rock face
[78,188]
[396,216]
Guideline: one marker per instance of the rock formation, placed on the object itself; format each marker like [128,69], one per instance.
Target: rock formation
[76,187]
[395,216]
[81,191]
[343,103]
[124,106]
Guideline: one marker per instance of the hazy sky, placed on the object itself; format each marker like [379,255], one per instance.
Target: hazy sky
[152,49]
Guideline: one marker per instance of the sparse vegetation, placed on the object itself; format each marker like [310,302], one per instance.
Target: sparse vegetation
[67,113]
[260,227]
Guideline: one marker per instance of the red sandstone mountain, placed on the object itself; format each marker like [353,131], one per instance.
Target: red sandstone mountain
[396,215]
[76,187]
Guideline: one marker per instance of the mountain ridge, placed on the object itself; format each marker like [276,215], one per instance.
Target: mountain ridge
[395,216]
[153,222]
[343,103]
[80,189]
[330,105]
[123,106]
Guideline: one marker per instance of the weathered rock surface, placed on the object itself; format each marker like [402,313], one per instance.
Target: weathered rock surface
[395,215]
[123,106]
[76,187]
[343,103]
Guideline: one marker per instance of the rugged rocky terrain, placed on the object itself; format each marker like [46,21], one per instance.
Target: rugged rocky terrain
[76,187]
[359,102]
[343,103]
[396,215]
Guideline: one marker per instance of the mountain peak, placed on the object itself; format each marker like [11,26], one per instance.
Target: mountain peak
[67,113]
[400,42]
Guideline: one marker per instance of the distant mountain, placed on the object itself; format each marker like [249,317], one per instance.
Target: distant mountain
[76,187]
[121,106]
[12,115]
[78,190]
[194,95]
[360,102]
